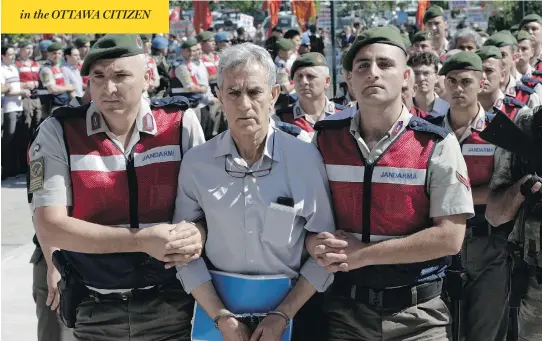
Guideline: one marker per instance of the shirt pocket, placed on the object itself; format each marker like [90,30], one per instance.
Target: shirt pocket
[278,226]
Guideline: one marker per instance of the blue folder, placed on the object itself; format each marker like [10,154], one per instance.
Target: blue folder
[242,294]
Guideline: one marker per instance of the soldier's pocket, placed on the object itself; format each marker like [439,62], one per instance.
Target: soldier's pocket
[278,227]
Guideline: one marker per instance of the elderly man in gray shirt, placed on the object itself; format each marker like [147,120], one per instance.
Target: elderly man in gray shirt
[263,194]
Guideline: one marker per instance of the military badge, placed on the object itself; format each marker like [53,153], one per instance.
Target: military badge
[95,121]
[463,180]
[148,123]
[37,171]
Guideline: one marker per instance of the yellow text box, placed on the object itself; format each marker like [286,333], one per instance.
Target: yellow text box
[96,16]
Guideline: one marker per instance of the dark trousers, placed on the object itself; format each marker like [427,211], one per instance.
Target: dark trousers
[12,124]
[310,322]
[50,327]
[487,291]
[165,315]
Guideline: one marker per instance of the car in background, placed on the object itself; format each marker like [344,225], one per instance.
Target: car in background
[286,20]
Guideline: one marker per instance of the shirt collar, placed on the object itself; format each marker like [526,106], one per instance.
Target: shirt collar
[329,108]
[511,86]
[397,127]
[226,145]
[478,123]
[145,121]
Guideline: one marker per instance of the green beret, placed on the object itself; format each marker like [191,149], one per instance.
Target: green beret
[205,36]
[112,46]
[308,59]
[422,36]
[522,35]
[24,43]
[81,41]
[432,12]
[461,61]
[530,18]
[406,41]
[378,35]
[487,52]
[514,28]
[285,44]
[189,43]
[54,47]
[500,39]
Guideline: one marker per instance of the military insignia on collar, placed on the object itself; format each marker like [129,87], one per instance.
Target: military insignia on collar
[397,128]
[512,91]
[297,111]
[37,169]
[148,123]
[463,180]
[498,104]
[95,121]
[479,124]
[139,42]
[330,107]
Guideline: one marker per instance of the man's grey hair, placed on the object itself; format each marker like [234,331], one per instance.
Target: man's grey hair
[467,33]
[242,55]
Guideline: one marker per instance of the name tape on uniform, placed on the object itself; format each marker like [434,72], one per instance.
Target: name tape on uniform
[119,16]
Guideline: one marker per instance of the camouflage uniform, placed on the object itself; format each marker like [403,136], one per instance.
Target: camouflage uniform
[509,170]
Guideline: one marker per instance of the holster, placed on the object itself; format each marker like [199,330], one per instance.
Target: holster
[71,289]
[520,275]
[456,279]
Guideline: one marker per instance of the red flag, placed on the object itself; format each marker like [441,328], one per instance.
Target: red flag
[422,7]
[304,10]
[202,15]
[273,8]
[175,14]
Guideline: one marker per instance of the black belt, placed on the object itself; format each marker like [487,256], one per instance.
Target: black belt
[136,294]
[390,299]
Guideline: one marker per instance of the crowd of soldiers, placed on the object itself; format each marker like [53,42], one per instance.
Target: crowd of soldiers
[388,206]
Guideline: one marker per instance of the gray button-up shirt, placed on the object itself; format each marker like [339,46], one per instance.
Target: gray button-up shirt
[248,231]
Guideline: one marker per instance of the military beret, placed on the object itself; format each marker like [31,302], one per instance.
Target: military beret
[308,59]
[81,41]
[490,51]
[44,44]
[221,36]
[54,47]
[284,44]
[422,36]
[378,35]
[514,28]
[205,36]
[530,18]
[432,12]
[522,35]
[112,46]
[500,39]
[159,43]
[189,43]
[406,41]
[463,60]
[24,43]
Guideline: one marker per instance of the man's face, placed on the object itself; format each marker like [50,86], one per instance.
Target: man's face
[55,57]
[310,82]
[74,59]
[465,44]
[422,46]
[199,52]
[535,30]
[26,51]
[526,52]
[378,72]
[84,50]
[425,78]
[284,55]
[297,42]
[208,46]
[9,57]
[247,99]
[463,87]
[492,76]
[116,85]
[507,58]
[438,27]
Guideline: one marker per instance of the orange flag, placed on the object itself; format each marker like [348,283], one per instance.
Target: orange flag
[273,8]
[202,15]
[304,10]
[422,7]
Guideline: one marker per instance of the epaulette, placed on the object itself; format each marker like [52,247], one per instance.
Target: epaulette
[508,100]
[288,128]
[421,125]
[340,106]
[536,73]
[435,118]
[71,112]
[176,101]
[332,124]
[490,116]
[525,88]
[529,80]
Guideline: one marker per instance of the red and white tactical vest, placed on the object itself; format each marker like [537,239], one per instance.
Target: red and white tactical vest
[211,63]
[177,87]
[57,73]
[288,116]
[383,199]
[151,64]
[28,73]
[521,93]
[479,157]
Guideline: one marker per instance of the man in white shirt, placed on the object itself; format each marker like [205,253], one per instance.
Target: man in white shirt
[71,71]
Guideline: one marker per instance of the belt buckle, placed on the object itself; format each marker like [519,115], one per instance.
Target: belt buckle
[376,298]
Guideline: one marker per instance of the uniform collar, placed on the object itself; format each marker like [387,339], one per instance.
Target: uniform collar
[478,123]
[499,102]
[329,108]
[226,146]
[396,128]
[511,87]
[145,121]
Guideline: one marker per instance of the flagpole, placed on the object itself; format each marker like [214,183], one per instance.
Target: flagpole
[333,46]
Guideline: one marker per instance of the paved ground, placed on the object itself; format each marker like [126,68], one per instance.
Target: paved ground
[18,310]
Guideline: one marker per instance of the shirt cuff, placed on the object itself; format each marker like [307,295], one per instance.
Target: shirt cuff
[193,274]
[317,275]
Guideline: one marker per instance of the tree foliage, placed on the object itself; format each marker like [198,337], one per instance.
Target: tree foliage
[510,13]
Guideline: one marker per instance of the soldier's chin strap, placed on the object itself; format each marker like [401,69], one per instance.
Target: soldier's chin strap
[525,189]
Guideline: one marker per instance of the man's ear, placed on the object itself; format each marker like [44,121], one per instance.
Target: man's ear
[275,92]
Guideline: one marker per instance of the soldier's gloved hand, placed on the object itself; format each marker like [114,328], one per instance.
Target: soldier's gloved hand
[531,189]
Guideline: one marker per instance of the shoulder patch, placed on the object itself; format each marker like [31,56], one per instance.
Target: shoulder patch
[339,107]
[529,80]
[513,102]
[37,171]
[288,128]
[421,125]
[524,88]
[176,101]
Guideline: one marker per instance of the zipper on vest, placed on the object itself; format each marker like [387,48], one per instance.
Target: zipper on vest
[367,186]
[132,191]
